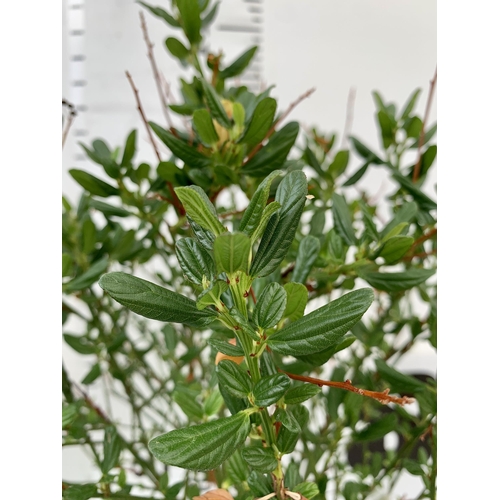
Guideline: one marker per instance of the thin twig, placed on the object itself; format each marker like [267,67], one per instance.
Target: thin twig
[349,116]
[416,170]
[382,397]
[175,200]
[69,119]
[154,67]
[292,106]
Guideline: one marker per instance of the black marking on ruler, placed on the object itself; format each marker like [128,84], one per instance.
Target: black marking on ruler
[77,32]
[239,29]
[255,9]
[77,58]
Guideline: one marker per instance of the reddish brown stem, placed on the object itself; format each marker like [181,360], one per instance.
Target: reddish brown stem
[382,397]
[416,170]
[292,106]
[252,293]
[175,200]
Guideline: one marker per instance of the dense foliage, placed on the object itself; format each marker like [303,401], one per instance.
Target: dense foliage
[234,382]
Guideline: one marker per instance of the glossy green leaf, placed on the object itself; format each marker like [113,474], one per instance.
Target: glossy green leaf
[287,419]
[89,277]
[79,344]
[404,215]
[395,248]
[107,209]
[202,447]
[399,382]
[199,208]
[190,19]
[239,65]
[93,374]
[231,251]
[211,296]
[254,212]
[236,467]
[214,104]
[260,123]
[153,301]
[195,261]
[186,399]
[431,131]
[244,324]
[428,157]
[161,13]
[396,282]
[287,440]
[395,231]
[181,149]
[239,116]
[270,306]
[280,231]
[301,393]
[413,127]
[274,154]
[324,327]
[388,128]
[342,219]
[296,300]
[204,127]
[268,212]
[339,163]
[130,148]
[92,184]
[67,263]
[213,403]
[308,252]
[307,489]
[260,485]
[269,390]
[112,447]
[317,223]
[321,357]
[312,161]
[234,378]
[260,459]
[177,48]
[80,492]
[226,348]
[204,237]
[210,16]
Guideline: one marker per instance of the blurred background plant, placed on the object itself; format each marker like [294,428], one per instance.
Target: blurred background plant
[162,376]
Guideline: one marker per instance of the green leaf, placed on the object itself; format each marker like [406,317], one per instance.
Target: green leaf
[339,163]
[244,324]
[270,306]
[410,104]
[239,116]
[234,378]
[231,251]
[287,440]
[79,344]
[413,127]
[395,248]
[342,219]
[321,357]
[195,261]
[112,446]
[214,105]
[190,19]
[377,429]
[69,414]
[88,236]
[213,403]
[108,210]
[226,348]
[254,212]
[130,148]
[202,447]
[92,375]
[80,492]
[324,327]
[200,209]
[307,254]
[388,128]
[312,161]
[260,459]
[426,162]
[210,16]
[67,263]
[204,127]
[238,66]
[405,214]
[274,154]
[427,137]
[152,301]
[177,48]
[259,484]
[280,231]
[236,467]
[307,489]
[301,393]
[317,223]
[399,382]
[270,209]
[92,184]
[161,13]
[357,175]
[269,390]
[185,398]
[296,300]
[88,277]
[395,231]
[260,123]
[365,152]
[396,282]
[181,149]
[287,419]
[211,296]
[205,238]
